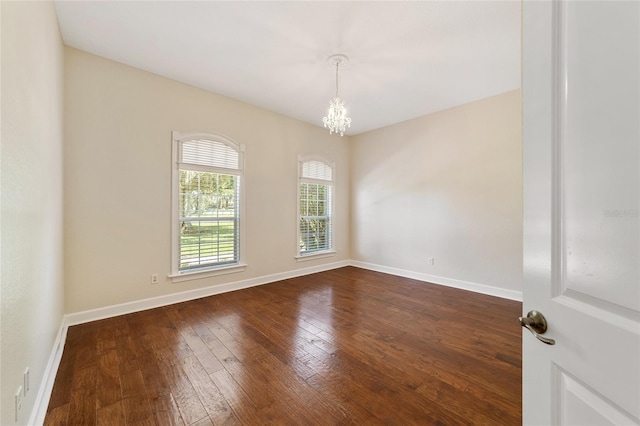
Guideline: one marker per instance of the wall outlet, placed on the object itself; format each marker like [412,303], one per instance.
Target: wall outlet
[431,261]
[154,278]
[18,400]
[26,385]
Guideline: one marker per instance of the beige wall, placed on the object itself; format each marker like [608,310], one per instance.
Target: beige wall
[118,123]
[446,186]
[31,198]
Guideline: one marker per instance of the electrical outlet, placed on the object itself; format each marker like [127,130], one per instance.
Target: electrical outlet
[18,401]
[25,385]
[154,278]
[431,261]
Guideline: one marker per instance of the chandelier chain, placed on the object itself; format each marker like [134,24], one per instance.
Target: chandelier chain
[337,65]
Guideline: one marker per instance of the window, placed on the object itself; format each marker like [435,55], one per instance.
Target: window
[207,184]
[315,206]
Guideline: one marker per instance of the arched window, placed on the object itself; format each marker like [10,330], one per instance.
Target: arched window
[207,174]
[315,206]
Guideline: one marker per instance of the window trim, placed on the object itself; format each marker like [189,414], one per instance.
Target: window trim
[331,251]
[176,275]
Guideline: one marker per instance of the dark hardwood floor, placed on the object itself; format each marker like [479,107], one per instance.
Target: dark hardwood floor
[347,346]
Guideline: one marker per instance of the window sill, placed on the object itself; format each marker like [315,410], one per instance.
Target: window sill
[196,275]
[315,255]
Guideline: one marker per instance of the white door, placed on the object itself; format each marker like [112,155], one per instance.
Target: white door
[581,160]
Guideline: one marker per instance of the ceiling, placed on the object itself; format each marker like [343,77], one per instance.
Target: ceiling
[406,59]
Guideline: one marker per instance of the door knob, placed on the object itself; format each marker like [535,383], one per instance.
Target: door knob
[537,325]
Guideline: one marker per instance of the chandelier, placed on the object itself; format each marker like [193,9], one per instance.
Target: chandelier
[336,119]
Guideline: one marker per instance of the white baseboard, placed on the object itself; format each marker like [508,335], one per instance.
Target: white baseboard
[449,282]
[41,403]
[183,296]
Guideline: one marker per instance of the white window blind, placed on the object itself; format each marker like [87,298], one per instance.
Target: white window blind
[209,153]
[314,169]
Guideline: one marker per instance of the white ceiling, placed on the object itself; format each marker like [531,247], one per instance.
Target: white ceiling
[406,58]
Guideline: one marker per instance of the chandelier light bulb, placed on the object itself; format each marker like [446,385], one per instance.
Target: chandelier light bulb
[336,119]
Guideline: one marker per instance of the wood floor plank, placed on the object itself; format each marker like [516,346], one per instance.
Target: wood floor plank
[185,396]
[61,393]
[85,378]
[346,346]
[210,396]
[165,410]
[286,382]
[240,403]
[57,416]
[110,415]
[209,362]
[108,379]
[373,407]
[105,345]
[155,381]
[137,410]
[204,422]
[132,384]
[127,358]
[82,408]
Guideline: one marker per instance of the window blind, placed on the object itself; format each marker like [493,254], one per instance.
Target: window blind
[203,152]
[314,169]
